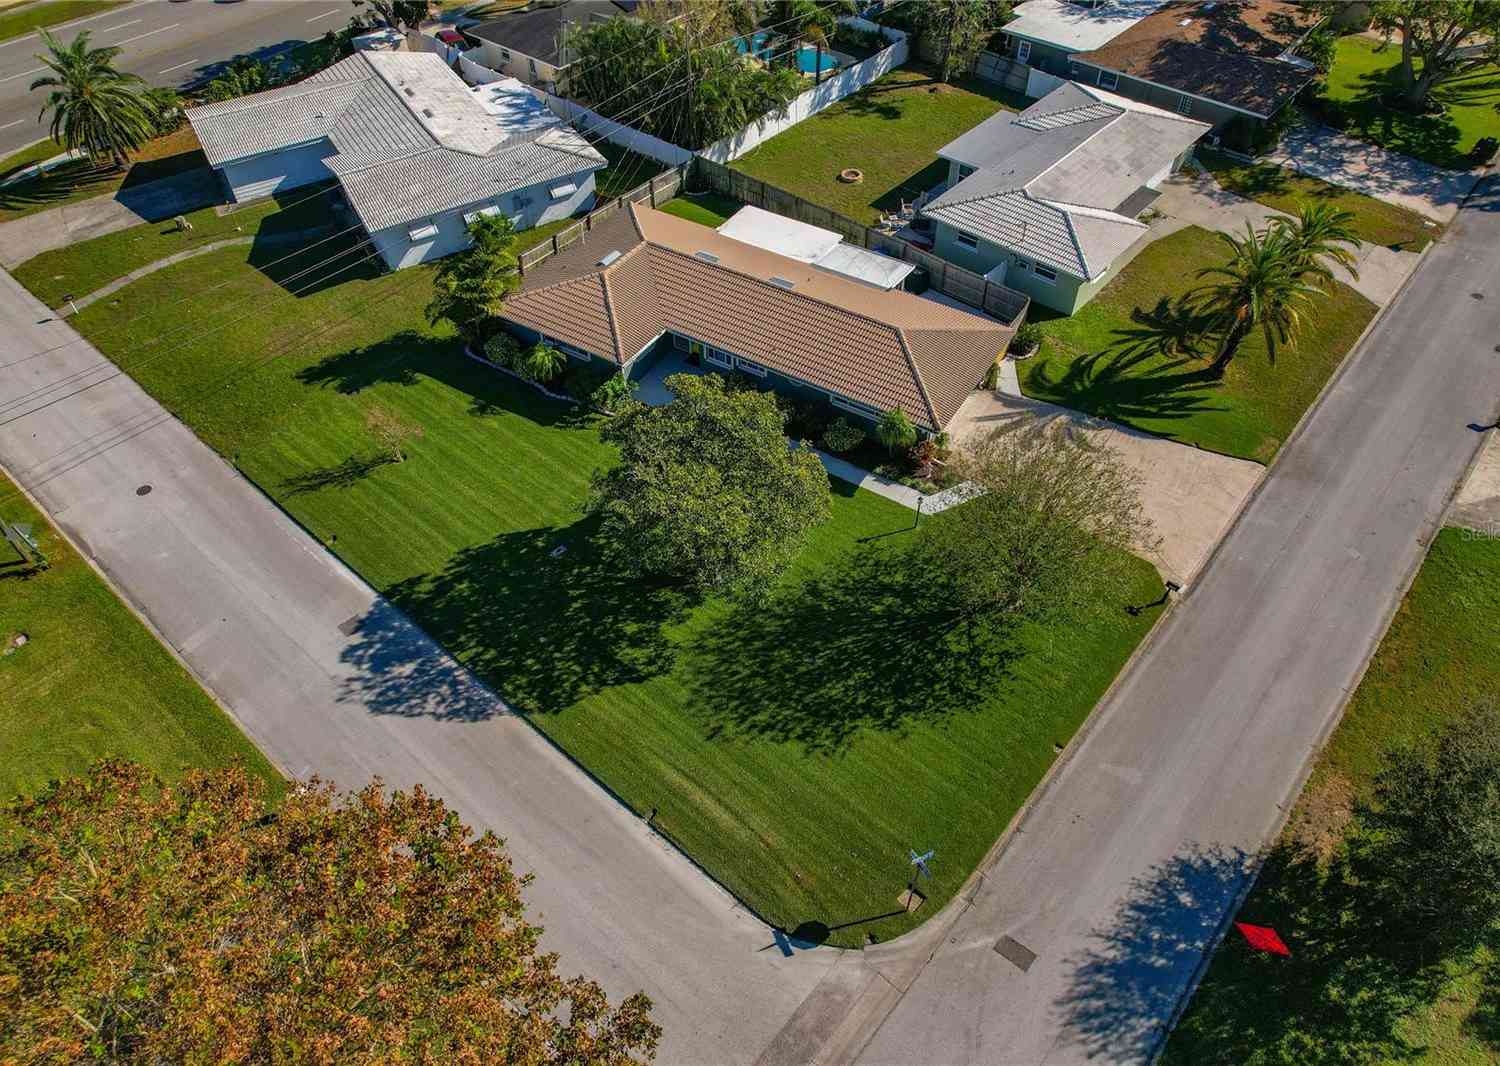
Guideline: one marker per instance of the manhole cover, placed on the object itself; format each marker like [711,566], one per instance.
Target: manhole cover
[144,490]
[349,627]
[1013,950]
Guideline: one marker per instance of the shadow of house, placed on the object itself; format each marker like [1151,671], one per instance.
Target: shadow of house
[867,645]
[544,628]
[164,198]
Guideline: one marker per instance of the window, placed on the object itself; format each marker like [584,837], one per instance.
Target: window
[520,202]
[424,232]
[1046,273]
[533,66]
[505,54]
[718,358]
[964,171]
[1022,265]
[963,240]
[1184,105]
[1023,51]
[679,342]
[753,369]
[1108,79]
[474,216]
[853,407]
[562,192]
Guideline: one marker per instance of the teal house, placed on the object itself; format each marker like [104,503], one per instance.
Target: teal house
[1045,201]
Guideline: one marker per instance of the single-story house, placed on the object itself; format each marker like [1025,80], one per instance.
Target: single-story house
[529,42]
[1045,34]
[823,248]
[643,284]
[416,151]
[1045,201]
[1234,59]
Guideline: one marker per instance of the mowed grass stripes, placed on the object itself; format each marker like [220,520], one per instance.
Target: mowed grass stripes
[796,749]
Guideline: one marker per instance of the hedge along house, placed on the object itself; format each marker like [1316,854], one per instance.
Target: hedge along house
[643,285]
[1230,63]
[1045,201]
[418,153]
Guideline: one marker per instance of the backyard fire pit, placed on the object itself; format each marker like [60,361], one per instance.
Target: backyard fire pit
[851,175]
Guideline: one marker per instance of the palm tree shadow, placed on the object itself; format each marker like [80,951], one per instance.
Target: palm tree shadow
[342,475]
[542,615]
[867,645]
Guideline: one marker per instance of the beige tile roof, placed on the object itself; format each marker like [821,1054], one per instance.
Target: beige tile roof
[890,349]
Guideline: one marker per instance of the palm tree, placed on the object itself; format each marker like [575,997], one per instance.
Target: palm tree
[1321,232]
[94,106]
[1267,282]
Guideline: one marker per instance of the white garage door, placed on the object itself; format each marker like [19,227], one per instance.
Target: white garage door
[250,179]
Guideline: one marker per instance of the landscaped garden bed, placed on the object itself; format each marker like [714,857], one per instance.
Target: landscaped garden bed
[795,747]
[1137,355]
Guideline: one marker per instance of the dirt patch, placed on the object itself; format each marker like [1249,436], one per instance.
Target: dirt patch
[1322,815]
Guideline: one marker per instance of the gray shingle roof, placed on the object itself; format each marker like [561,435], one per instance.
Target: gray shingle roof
[396,162]
[1051,179]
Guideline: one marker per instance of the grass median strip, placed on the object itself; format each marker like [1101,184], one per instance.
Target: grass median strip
[91,681]
[1135,355]
[796,748]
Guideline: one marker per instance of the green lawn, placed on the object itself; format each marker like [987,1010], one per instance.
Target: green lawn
[709,209]
[1120,357]
[1340,998]
[80,180]
[1364,72]
[26,18]
[92,681]
[890,130]
[1278,187]
[795,748]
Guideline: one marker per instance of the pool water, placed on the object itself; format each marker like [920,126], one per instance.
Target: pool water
[758,45]
[755,45]
[807,60]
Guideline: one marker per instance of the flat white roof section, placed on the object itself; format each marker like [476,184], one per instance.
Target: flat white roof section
[514,108]
[439,100]
[784,236]
[823,248]
[1075,28]
[861,264]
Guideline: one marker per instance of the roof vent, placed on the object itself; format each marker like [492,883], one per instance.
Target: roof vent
[428,112]
[707,257]
[781,282]
[609,258]
[409,91]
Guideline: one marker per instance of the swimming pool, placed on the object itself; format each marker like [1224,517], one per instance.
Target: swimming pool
[807,59]
[759,45]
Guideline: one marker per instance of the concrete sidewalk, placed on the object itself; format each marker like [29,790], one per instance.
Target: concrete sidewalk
[328,678]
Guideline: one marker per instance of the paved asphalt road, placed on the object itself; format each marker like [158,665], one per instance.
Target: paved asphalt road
[327,678]
[1127,864]
[166,43]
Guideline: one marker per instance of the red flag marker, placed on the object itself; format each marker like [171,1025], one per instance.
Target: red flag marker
[1263,938]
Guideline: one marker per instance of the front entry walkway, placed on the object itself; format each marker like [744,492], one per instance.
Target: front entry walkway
[1368,168]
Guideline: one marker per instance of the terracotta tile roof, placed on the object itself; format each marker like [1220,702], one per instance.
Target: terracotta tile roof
[1226,51]
[889,349]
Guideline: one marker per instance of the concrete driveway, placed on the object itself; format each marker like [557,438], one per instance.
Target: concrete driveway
[1477,505]
[153,201]
[1199,200]
[1368,168]
[1191,496]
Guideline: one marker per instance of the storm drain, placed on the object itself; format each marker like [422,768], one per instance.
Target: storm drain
[1016,952]
[350,627]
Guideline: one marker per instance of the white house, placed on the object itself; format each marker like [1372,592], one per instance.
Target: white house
[416,152]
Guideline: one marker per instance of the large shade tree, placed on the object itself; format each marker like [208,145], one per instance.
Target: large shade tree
[94,106]
[1440,40]
[960,28]
[708,492]
[142,923]
[1045,521]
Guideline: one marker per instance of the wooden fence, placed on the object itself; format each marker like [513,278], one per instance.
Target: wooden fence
[658,190]
[1008,305]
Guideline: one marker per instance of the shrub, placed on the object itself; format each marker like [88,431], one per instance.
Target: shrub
[502,349]
[895,431]
[805,419]
[611,393]
[1027,337]
[1483,150]
[541,362]
[842,436]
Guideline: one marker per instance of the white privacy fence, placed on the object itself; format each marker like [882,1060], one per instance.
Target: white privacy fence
[833,89]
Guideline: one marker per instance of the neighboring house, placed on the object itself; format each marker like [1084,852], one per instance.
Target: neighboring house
[1046,34]
[417,152]
[1213,61]
[528,43]
[643,284]
[1045,201]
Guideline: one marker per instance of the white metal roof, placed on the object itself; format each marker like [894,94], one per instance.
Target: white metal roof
[861,264]
[784,236]
[1074,27]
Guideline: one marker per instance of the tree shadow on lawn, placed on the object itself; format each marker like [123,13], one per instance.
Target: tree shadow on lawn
[343,475]
[1359,967]
[58,184]
[1433,135]
[544,630]
[865,644]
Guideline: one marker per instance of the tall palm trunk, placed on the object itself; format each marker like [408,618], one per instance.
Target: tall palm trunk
[1228,347]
